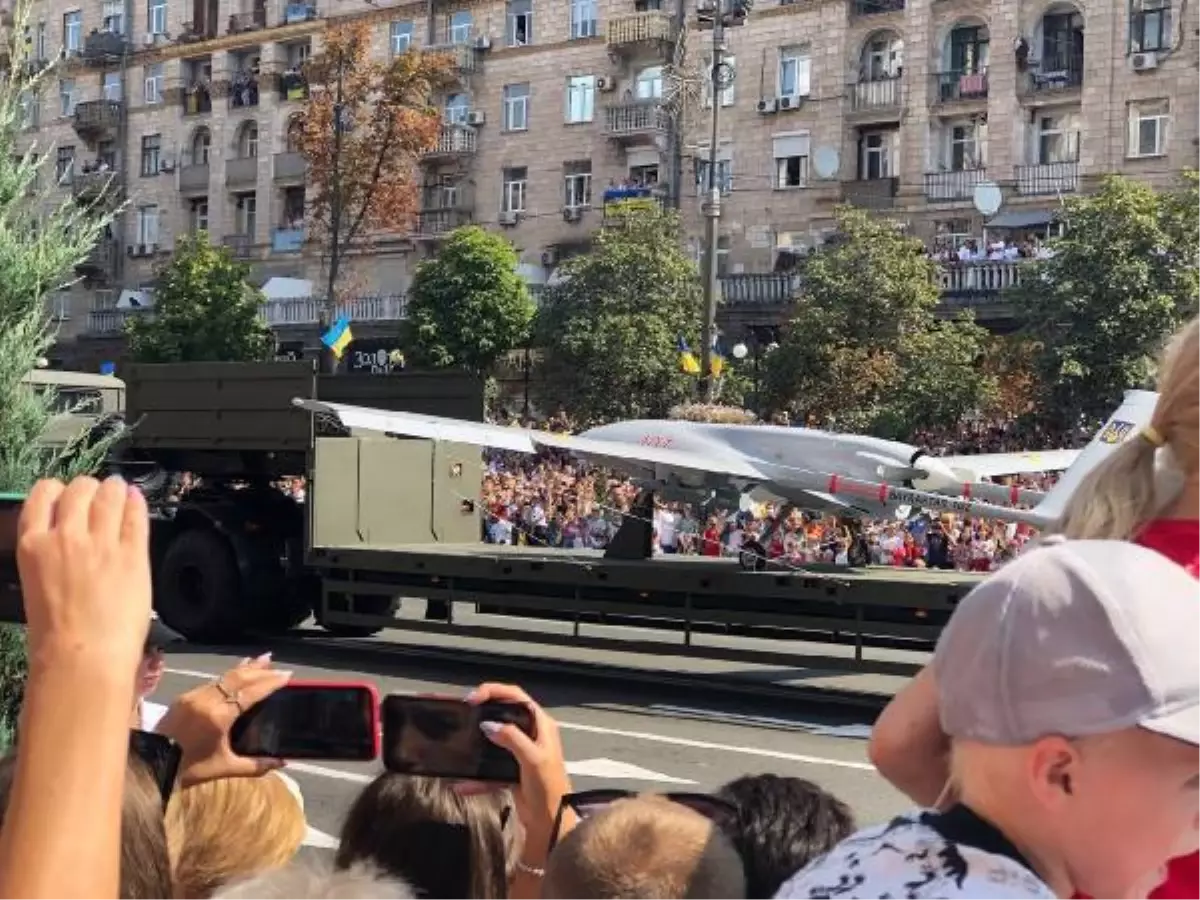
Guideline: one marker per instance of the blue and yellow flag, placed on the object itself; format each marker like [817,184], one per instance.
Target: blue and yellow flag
[717,365]
[687,359]
[338,337]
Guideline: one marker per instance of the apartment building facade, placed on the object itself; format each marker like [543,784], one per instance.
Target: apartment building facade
[899,106]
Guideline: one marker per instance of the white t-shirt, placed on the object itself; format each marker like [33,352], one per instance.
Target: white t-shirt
[908,858]
[664,521]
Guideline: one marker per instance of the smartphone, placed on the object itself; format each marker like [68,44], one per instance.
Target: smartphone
[12,609]
[161,755]
[312,720]
[441,738]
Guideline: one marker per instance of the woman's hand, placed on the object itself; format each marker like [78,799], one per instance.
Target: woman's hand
[201,719]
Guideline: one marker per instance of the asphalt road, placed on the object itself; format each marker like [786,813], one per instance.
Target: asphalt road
[615,735]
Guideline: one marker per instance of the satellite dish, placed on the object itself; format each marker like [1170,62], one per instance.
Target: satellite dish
[827,162]
[987,197]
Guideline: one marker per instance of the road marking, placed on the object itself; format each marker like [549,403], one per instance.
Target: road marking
[319,839]
[326,772]
[612,770]
[855,732]
[641,736]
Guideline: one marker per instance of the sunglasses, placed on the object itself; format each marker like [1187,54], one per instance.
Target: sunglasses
[587,803]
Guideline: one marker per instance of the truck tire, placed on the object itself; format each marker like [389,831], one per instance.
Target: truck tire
[199,587]
[371,605]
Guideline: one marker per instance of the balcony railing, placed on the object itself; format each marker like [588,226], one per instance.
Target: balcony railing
[965,280]
[194,179]
[433,222]
[874,7]
[88,187]
[1047,178]
[100,47]
[287,240]
[949,87]
[760,289]
[241,246]
[638,28]
[100,262]
[290,167]
[97,118]
[240,23]
[455,140]
[635,119]
[872,193]
[109,322]
[463,56]
[959,185]
[880,94]
[196,100]
[1055,75]
[242,170]
[307,310]
[193,33]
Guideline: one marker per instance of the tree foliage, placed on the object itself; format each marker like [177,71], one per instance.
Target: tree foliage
[362,162]
[468,306]
[864,351]
[609,329]
[41,242]
[204,310]
[1120,281]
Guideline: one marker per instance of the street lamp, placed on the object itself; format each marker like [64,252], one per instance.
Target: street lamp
[740,351]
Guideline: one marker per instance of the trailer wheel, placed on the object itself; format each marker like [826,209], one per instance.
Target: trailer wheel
[199,588]
[376,606]
[752,557]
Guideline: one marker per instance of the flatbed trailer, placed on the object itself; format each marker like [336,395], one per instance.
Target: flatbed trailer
[388,520]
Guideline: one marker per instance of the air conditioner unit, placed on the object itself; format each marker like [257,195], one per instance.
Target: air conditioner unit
[767,106]
[789,103]
[148,40]
[483,42]
[151,249]
[1144,62]
[166,165]
[606,83]
[141,250]
[476,117]
[129,249]
[549,258]
[572,213]
[508,219]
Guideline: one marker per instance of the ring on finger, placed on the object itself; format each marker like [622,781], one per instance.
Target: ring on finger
[229,696]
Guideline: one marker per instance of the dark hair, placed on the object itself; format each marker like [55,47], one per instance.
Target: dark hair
[145,863]
[418,829]
[782,824]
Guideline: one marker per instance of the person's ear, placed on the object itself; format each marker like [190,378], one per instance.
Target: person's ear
[1052,769]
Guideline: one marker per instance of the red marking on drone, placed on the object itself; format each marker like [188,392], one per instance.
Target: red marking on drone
[657,440]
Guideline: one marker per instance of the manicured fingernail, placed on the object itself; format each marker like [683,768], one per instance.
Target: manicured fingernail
[245,661]
[491,729]
[472,697]
[265,657]
[285,673]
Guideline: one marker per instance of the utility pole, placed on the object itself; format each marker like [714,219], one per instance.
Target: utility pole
[719,78]
[328,360]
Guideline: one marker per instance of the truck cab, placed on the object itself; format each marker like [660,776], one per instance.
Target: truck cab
[81,401]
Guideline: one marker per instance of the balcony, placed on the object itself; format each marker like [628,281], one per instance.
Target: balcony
[454,140]
[872,193]
[760,289]
[101,262]
[109,322]
[287,240]
[97,120]
[978,286]
[193,33]
[1050,77]
[290,167]
[625,34]
[635,123]
[196,100]
[240,23]
[294,13]
[879,96]
[241,246]
[194,179]
[242,172]
[954,87]
[1047,178]
[307,310]
[104,48]
[243,91]
[292,86]
[435,222]
[944,187]
[463,57]
[92,187]
[875,7]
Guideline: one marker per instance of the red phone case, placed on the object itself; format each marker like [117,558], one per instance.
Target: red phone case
[368,687]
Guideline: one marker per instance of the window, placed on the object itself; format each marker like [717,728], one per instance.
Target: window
[198,215]
[647,5]
[151,154]
[66,97]
[791,152]
[299,52]
[106,153]
[457,108]
[644,176]
[153,84]
[516,107]
[953,232]
[724,169]
[581,98]
[461,27]
[64,164]
[583,19]
[1150,27]
[875,157]
[114,17]
[578,183]
[1148,128]
[111,88]
[29,108]
[147,225]
[795,72]
[969,50]
[520,23]
[201,147]
[246,214]
[294,135]
[156,16]
[247,145]
[883,58]
[726,77]
[1058,140]
[72,32]
[401,37]
[966,152]
[649,83]
[515,181]
[41,41]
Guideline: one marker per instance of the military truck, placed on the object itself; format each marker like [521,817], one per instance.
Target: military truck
[82,402]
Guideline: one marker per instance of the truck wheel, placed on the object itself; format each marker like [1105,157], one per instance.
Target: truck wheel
[199,588]
[372,605]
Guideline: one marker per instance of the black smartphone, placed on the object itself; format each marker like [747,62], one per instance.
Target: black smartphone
[311,720]
[12,609]
[442,739]
[162,757]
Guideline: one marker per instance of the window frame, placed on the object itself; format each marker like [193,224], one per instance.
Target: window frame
[148,224]
[801,58]
[67,99]
[514,186]
[516,12]
[577,190]
[151,150]
[512,101]
[1138,18]
[64,163]
[396,31]
[72,31]
[1140,114]
[583,89]
[156,17]
[153,74]
[581,27]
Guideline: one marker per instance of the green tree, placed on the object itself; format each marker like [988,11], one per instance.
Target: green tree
[609,329]
[204,310]
[1120,281]
[468,306]
[864,351]
[42,239]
